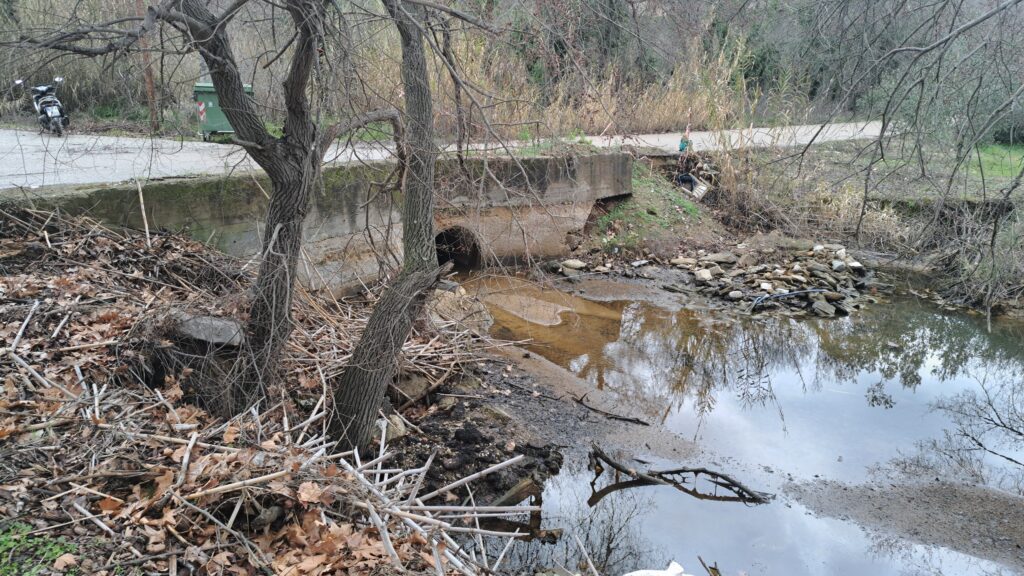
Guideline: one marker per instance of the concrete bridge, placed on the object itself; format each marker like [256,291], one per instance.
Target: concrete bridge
[505,210]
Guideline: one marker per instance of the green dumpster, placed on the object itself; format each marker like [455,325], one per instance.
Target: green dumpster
[211,116]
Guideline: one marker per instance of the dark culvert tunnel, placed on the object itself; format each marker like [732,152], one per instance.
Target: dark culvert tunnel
[457,245]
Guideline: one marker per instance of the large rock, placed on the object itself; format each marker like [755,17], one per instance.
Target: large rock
[457,306]
[683,262]
[703,275]
[209,329]
[824,309]
[838,266]
[815,266]
[721,258]
[574,264]
[747,260]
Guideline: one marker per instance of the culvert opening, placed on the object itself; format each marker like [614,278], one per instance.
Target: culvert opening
[458,246]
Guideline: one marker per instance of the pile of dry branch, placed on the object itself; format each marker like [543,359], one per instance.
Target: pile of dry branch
[98,447]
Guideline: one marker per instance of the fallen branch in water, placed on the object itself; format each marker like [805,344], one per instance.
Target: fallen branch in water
[582,402]
[675,478]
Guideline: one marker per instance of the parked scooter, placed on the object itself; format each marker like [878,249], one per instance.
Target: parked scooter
[51,114]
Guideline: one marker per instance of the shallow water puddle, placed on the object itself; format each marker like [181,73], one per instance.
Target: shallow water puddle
[770,400]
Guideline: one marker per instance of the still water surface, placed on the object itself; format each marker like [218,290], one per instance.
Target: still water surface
[770,399]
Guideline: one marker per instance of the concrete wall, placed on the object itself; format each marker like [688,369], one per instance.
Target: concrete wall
[514,209]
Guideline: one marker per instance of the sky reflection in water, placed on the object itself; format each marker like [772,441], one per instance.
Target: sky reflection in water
[774,397]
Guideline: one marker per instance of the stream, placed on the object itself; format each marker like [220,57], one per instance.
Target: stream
[777,402]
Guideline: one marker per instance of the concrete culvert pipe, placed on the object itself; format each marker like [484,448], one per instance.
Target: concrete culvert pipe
[459,246]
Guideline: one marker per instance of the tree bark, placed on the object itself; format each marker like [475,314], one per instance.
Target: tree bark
[360,390]
[292,163]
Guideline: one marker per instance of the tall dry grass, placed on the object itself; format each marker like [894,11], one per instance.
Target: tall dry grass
[360,71]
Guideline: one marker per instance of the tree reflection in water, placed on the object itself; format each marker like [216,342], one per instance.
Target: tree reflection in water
[667,358]
[985,444]
[611,533]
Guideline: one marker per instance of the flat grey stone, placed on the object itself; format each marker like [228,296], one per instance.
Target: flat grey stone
[219,331]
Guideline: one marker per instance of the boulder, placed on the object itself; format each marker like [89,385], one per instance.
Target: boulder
[683,262]
[703,275]
[767,286]
[551,266]
[735,295]
[209,329]
[716,271]
[574,264]
[823,309]
[572,274]
[602,269]
[747,260]
[838,266]
[815,266]
[396,428]
[856,267]
[458,306]
[721,258]
[826,278]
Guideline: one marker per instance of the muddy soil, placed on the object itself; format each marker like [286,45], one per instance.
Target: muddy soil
[969,519]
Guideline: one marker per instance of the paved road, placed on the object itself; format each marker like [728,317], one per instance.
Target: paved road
[31,160]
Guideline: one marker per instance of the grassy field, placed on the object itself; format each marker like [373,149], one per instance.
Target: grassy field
[999,161]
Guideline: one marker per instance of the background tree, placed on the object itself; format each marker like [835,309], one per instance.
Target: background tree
[292,160]
[360,390]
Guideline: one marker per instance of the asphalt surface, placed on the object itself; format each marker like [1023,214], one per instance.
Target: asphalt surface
[30,160]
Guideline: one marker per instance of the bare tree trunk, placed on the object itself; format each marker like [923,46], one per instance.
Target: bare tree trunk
[292,163]
[360,390]
[147,72]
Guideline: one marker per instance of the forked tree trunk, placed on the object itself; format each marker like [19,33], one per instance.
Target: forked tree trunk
[360,390]
[292,164]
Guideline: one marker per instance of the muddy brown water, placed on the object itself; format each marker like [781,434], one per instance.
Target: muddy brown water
[778,402]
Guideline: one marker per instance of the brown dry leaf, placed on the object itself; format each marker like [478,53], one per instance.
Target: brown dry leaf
[231,433]
[163,482]
[219,562]
[65,561]
[173,393]
[296,536]
[311,563]
[310,492]
[157,541]
[110,505]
